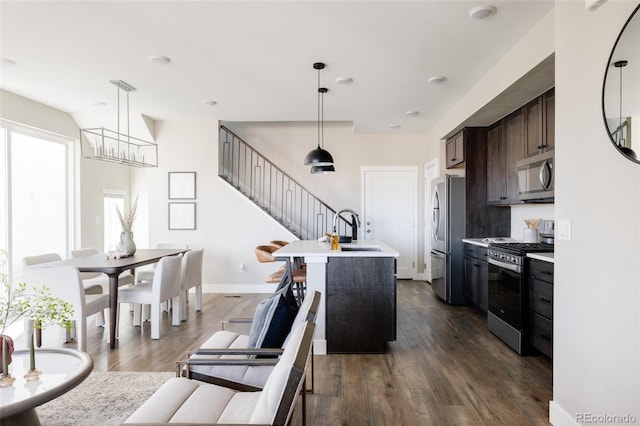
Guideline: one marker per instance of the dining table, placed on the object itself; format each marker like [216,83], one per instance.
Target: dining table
[113,267]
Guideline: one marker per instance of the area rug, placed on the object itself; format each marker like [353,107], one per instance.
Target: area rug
[104,398]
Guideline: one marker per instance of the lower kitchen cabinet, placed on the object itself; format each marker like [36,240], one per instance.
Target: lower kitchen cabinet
[360,304]
[540,282]
[476,276]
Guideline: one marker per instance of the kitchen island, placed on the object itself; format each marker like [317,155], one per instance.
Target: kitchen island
[358,285]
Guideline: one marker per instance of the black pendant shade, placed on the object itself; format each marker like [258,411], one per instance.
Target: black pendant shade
[319,158]
[322,169]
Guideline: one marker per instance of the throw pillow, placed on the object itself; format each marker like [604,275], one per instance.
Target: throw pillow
[272,321]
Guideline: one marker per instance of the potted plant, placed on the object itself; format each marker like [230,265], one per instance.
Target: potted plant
[126,220]
[22,302]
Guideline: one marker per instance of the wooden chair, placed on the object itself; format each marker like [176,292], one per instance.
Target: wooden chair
[186,401]
[286,274]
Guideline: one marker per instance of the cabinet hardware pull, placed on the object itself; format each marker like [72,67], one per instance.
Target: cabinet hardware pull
[545,272]
[540,146]
[545,300]
[546,337]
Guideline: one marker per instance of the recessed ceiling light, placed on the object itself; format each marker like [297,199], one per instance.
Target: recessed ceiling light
[7,61]
[209,102]
[99,104]
[481,12]
[412,113]
[394,126]
[437,79]
[344,80]
[159,59]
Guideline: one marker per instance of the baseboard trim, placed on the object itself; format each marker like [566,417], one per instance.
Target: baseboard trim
[239,288]
[559,417]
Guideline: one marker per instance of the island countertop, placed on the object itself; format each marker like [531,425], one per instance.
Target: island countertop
[302,248]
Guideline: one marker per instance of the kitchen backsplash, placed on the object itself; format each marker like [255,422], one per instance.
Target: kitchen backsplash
[528,211]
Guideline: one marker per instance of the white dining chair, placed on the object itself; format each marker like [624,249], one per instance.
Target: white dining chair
[98,278]
[27,261]
[166,285]
[191,278]
[145,274]
[65,283]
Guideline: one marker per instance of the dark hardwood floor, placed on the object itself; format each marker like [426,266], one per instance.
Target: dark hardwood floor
[446,368]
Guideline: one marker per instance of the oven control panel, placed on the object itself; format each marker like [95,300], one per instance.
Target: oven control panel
[505,257]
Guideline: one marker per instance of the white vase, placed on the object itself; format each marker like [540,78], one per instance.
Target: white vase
[126,242]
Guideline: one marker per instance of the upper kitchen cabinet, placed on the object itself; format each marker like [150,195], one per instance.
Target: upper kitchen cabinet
[480,218]
[540,124]
[455,150]
[505,147]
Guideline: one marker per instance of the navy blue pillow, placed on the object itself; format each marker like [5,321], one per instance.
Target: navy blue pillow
[273,319]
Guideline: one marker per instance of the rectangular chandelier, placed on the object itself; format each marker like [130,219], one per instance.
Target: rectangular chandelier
[115,146]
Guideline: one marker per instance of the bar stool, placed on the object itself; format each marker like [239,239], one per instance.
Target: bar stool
[284,275]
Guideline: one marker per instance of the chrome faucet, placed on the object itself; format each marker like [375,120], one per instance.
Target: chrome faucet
[354,227]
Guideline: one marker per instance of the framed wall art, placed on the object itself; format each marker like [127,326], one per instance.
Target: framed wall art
[182,216]
[182,185]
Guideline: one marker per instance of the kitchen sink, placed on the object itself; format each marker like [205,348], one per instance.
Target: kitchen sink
[360,248]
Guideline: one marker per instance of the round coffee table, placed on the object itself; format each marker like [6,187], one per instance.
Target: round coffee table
[62,370]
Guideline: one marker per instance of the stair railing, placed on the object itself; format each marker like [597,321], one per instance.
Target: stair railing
[278,194]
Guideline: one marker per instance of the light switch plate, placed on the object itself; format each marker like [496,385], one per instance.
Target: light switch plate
[563,228]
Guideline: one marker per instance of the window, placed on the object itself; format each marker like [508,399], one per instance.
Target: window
[35,190]
[112,227]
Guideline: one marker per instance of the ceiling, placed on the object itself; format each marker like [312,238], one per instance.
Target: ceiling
[254,59]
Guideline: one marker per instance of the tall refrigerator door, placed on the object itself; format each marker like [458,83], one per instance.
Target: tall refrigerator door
[438,215]
[439,274]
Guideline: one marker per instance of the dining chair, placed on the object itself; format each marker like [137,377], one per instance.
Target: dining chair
[145,274]
[98,278]
[65,283]
[191,277]
[166,285]
[89,287]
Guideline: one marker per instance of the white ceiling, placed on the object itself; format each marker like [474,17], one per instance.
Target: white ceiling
[255,58]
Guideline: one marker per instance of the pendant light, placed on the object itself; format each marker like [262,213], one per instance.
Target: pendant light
[620,139]
[320,157]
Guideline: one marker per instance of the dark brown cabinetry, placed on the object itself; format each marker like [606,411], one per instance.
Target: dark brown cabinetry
[455,150]
[540,282]
[505,148]
[540,124]
[361,304]
[481,220]
[476,276]
[526,132]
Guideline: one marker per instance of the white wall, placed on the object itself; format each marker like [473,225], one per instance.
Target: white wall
[228,226]
[92,177]
[597,273]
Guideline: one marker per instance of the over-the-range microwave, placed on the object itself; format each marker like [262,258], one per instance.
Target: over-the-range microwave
[536,178]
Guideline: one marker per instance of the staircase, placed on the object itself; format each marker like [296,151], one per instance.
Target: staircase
[275,192]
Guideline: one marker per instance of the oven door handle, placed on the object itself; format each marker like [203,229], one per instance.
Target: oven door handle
[508,266]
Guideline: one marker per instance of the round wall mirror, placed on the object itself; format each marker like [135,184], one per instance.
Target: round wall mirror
[621,90]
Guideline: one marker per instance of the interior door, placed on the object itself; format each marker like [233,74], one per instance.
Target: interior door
[389,210]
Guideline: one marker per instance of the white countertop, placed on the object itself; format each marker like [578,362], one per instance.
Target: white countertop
[302,248]
[546,257]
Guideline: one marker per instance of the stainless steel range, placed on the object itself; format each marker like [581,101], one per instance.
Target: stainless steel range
[508,292]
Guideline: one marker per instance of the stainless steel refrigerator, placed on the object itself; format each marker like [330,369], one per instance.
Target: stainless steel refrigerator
[447,232]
